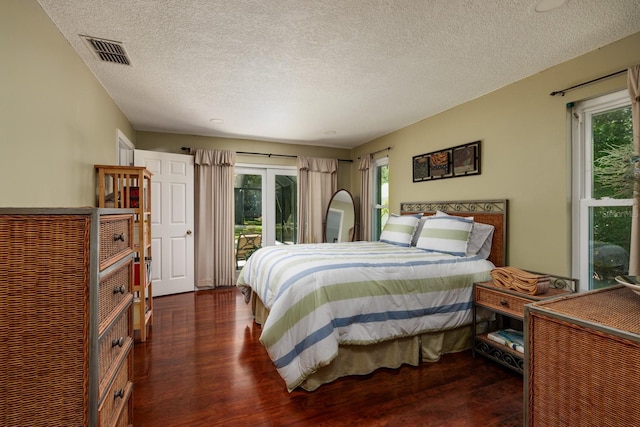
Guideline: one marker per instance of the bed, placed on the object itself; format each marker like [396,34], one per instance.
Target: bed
[336,309]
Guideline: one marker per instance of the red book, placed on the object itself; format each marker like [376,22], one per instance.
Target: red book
[134,197]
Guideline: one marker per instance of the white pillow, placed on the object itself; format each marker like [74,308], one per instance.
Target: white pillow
[448,234]
[399,230]
[480,240]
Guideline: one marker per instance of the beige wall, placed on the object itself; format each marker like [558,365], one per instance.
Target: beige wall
[525,153]
[56,120]
[172,143]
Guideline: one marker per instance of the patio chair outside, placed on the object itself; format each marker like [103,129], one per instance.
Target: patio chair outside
[247,244]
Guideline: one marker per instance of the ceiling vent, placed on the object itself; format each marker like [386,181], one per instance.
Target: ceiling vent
[107,50]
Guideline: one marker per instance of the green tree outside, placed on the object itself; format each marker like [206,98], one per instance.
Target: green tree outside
[613,177]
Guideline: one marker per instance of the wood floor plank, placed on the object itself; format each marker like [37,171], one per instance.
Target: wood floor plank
[203,365]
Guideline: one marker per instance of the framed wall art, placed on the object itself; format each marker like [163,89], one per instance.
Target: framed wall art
[462,160]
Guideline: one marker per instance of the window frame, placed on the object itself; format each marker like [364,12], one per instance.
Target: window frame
[581,116]
[124,149]
[376,207]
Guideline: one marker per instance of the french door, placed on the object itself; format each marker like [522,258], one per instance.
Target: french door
[266,204]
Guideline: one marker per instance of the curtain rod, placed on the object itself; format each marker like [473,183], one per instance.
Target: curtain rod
[562,91]
[250,153]
[379,151]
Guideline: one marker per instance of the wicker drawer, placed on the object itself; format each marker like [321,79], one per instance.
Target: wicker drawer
[115,400]
[501,301]
[115,238]
[113,343]
[113,290]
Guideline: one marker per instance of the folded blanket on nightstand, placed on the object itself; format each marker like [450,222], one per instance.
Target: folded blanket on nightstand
[520,280]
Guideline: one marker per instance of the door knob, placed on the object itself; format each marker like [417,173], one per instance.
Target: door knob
[189,232]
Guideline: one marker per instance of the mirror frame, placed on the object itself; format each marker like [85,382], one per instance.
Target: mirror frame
[326,215]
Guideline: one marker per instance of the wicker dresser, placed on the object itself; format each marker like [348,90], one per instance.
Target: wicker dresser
[66,319]
[583,360]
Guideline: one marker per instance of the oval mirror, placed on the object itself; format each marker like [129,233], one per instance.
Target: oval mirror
[340,220]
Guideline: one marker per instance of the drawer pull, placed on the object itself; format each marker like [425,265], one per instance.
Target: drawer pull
[120,290]
[118,393]
[117,342]
[120,236]
[503,302]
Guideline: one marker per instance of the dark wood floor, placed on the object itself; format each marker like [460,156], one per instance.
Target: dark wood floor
[203,365]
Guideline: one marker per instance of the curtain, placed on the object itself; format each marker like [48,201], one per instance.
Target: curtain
[214,205]
[317,181]
[633,83]
[365,197]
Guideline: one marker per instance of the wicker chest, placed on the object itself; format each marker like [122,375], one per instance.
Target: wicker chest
[66,320]
[582,363]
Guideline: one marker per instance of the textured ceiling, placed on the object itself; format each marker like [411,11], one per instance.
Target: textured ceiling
[324,72]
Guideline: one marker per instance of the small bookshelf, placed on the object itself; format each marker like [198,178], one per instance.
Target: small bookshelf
[129,187]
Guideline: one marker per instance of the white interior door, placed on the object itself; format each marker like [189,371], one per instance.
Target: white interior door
[172,240]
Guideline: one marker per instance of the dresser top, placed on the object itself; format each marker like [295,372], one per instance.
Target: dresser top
[616,307]
[63,211]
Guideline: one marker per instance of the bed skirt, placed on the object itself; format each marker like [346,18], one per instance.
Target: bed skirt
[364,359]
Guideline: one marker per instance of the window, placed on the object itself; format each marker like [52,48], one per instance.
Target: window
[380,181]
[602,207]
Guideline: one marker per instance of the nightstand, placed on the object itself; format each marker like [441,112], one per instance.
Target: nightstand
[508,308]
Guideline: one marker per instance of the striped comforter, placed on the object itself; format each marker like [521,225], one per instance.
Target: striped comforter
[322,295]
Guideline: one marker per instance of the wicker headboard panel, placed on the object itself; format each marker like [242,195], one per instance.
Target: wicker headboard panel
[493,212]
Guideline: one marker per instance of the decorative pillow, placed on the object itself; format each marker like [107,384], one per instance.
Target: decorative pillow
[448,234]
[480,238]
[485,249]
[416,235]
[399,230]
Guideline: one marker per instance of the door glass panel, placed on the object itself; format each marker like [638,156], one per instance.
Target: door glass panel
[248,204]
[286,207]
[248,215]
